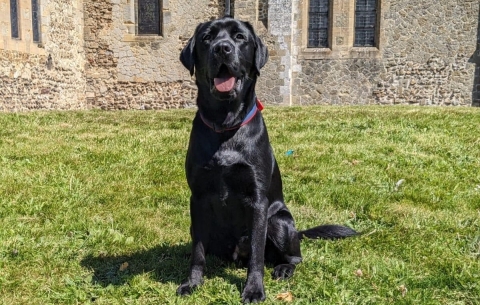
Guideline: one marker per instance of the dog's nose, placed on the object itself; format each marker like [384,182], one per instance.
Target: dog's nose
[223,47]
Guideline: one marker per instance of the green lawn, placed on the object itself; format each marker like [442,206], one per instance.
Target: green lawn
[94,207]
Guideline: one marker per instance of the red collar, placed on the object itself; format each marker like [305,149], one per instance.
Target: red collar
[258,106]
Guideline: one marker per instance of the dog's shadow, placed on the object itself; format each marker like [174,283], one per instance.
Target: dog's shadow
[164,263]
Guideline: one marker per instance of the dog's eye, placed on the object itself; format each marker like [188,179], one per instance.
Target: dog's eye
[206,37]
[240,36]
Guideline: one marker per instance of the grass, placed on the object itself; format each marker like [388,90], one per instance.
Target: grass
[94,207]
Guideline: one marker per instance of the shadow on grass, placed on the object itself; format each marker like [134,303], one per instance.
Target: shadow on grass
[165,263]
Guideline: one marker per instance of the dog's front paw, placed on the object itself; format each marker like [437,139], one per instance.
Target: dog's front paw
[283,271]
[253,294]
[187,288]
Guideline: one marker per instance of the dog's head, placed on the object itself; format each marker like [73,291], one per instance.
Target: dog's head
[226,56]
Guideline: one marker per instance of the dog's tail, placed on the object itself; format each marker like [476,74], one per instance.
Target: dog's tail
[327,232]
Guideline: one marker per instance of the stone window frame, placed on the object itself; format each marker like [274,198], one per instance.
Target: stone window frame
[24,41]
[341,32]
[130,21]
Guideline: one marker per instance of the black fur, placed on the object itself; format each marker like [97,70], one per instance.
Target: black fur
[237,207]
[327,232]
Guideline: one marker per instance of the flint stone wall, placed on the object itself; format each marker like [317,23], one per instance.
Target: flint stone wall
[425,59]
[90,57]
[46,75]
[125,71]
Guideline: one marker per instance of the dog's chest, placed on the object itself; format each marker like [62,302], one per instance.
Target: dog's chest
[230,179]
[226,158]
[225,186]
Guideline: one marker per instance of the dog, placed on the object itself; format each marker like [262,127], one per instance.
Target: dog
[236,205]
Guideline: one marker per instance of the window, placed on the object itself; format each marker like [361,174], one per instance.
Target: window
[365,23]
[149,17]
[341,29]
[36,21]
[318,21]
[145,20]
[14,18]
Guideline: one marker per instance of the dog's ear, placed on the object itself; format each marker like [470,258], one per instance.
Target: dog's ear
[261,54]
[261,51]
[187,56]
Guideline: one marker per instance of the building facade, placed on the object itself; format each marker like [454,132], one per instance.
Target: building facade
[123,54]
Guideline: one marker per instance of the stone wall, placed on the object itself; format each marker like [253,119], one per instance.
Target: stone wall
[428,63]
[274,83]
[475,59]
[45,75]
[127,71]
[424,59]
[424,55]
[90,56]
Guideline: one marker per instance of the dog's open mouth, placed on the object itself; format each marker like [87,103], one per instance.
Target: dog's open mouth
[225,81]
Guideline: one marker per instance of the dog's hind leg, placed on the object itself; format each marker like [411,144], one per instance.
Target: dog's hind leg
[283,244]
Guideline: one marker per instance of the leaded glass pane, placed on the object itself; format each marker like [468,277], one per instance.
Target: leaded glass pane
[149,17]
[318,24]
[365,23]
[366,5]
[365,37]
[14,18]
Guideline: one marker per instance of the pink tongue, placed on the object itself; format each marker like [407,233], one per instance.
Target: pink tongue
[224,84]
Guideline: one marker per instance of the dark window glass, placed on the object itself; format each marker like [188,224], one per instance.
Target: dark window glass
[149,17]
[318,23]
[35,21]
[365,23]
[14,18]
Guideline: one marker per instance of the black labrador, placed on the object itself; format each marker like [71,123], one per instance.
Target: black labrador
[236,204]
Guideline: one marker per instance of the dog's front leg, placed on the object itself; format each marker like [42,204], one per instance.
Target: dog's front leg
[254,290]
[200,231]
